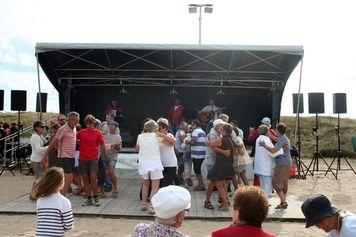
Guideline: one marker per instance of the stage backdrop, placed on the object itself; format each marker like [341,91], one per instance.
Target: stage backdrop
[247,106]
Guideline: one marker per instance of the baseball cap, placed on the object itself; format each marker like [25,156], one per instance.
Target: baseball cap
[112,122]
[317,208]
[266,121]
[218,121]
[170,200]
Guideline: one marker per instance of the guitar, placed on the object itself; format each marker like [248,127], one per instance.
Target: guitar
[205,117]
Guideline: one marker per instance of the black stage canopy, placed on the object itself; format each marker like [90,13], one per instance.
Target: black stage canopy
[247,80]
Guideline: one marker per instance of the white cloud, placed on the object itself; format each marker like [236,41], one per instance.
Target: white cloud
[27,60]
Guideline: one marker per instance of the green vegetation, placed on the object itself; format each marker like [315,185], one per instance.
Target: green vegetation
[327,135]
[27,118]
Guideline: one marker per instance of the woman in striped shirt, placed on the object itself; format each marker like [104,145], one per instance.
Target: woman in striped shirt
[54,211]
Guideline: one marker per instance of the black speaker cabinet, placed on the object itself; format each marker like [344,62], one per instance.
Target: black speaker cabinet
[339,103]
[316,103]
[1,99]
[43,102]
[295,103]
[18,100]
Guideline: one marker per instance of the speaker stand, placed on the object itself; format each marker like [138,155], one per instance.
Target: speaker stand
[6,165]
[317,155]
[20,160]
[301,166]
[339,154]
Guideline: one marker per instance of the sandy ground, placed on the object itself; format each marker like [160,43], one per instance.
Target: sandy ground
[342,192]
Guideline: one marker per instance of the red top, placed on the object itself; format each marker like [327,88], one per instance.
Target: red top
[89,141]
[241,231]
[176,115]
[253,136]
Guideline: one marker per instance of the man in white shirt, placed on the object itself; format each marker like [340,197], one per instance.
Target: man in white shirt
[319,212]
[264,160]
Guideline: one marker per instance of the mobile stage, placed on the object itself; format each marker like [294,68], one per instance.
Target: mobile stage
[248,81]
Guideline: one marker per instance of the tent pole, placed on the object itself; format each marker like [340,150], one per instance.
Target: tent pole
[39,88]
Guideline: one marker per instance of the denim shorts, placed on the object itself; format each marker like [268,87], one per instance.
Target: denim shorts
[109,163]
[209,167]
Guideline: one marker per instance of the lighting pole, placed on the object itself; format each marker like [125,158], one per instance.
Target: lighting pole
[193,8]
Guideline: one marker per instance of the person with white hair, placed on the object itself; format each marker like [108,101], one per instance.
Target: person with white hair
[170,204]
[149,163]
[264,161]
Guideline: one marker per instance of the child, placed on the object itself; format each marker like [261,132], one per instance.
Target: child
[113,140]
[54,211]
[150,166]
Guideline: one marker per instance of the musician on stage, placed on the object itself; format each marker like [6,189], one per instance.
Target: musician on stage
[212,112]
[175,116]
[114,109]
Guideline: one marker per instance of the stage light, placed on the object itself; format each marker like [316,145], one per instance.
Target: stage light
[208,10]
[192,9]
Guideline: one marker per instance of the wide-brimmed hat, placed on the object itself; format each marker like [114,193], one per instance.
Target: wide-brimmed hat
[317,208]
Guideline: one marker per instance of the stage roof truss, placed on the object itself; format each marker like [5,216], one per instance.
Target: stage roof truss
[78,65]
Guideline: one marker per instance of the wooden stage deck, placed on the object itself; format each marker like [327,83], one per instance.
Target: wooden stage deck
[128,205]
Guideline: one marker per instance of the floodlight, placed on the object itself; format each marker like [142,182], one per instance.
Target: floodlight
[192,9]
[208,10]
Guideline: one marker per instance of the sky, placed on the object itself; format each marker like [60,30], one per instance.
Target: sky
[326,30]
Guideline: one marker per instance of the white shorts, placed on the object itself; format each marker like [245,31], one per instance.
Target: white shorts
[153,175]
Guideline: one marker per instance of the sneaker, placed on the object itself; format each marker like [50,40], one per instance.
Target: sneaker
[151,210]
[199,187]
[88,202]
[96,202]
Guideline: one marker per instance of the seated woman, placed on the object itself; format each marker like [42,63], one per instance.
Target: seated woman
[170,204]
[250,210]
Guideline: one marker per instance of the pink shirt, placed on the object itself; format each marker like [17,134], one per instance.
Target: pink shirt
[66,141]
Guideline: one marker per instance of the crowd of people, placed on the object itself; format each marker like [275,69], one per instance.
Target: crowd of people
[169,150]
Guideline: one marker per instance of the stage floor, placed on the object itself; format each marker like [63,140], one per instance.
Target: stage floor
[128,205]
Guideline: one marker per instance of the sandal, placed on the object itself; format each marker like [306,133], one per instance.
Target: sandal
[208,205]
[143,206]
[151,210]
[224,208]
[115,193]
[283,205]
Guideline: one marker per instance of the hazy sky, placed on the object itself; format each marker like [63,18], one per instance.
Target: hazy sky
[326,29]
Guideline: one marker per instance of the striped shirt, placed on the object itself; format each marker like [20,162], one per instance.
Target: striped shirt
[198,149]
[67,139]
[54,215]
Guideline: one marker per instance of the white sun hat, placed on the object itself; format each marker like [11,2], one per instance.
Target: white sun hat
[170,200]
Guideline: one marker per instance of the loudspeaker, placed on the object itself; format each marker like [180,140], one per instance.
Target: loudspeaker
[18,100]
[43,102]
[316,103]
[295,103]
[339,103]
[1,99]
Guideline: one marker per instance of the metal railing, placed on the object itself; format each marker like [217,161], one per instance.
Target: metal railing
[13,143]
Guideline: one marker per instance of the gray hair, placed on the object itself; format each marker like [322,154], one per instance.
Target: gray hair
[263,129]
[150,126]
[224,117]
[167,221]
[164,121]
[72,115]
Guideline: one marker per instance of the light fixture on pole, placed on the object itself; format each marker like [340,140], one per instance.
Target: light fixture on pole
[193,8]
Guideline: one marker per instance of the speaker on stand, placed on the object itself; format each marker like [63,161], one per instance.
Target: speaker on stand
[298,108]
[316,106]
[339,107]
[18,103]
[1,100]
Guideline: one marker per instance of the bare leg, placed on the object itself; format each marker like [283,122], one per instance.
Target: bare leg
[155,186]
[113,177]
[93,183]
[222,193]
[244,178]
[68,179]
[145,184]
[235,181]
[86,185]
[200,179]
[209,191]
